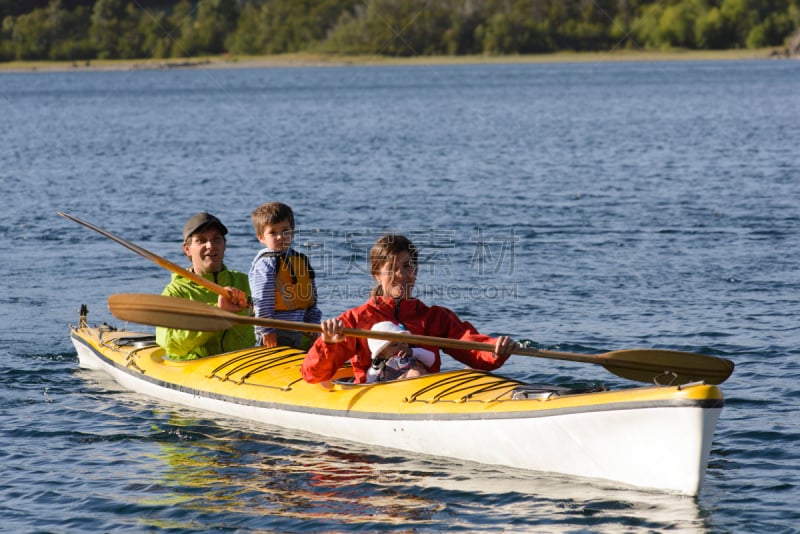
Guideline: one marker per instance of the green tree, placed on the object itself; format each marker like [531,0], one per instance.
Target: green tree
[47,33]
[77,29]
[248,38]
[392,28]
[29,36]
[682,24]
[71,35]
[676,26]
[522,26]
[771,32]
[350,35]
[215,20]
[7,49]
[181,24]
[498,35]
[460,37]
[106,27]
[710,32]
[131,40]
[739,17]
[645,27]
[586,25]
[280,26]
[155,33]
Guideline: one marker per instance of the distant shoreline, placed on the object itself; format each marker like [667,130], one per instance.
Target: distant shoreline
[320,60]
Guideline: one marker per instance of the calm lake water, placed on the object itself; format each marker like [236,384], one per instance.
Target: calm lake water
[587,207]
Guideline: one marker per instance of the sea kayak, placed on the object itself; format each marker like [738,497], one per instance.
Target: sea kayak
[654,437]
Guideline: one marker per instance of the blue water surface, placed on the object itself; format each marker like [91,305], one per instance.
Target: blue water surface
[586,207]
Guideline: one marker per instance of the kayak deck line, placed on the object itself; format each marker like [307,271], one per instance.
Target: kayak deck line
[255,361]
[250,364]
[471,383]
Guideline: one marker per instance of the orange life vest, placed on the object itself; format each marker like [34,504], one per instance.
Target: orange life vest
[294,276]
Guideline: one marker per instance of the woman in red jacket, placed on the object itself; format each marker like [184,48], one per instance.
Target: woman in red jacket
[393,264]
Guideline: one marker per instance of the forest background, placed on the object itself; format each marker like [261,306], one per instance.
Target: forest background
[72,30]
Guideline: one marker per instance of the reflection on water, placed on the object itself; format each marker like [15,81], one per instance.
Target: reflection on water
[294,478]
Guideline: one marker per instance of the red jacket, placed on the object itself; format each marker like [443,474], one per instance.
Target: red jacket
[324,359]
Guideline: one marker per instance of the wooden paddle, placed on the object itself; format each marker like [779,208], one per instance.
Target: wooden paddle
[644,365]
[186,273]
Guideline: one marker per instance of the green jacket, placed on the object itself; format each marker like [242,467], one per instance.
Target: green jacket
[189,344]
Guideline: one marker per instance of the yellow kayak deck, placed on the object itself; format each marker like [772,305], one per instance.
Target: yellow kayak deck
[270,377]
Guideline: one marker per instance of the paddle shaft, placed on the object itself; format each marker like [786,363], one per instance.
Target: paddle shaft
[186,273]
[644,365]
[431,341]
[616,362]
[413,339]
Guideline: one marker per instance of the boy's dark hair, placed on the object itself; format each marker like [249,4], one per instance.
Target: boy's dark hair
[271,213]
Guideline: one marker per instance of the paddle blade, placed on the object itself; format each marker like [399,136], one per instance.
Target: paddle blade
[170,312]
[668,367]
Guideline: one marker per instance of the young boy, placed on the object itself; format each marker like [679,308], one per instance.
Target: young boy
[281,279]
[394,360]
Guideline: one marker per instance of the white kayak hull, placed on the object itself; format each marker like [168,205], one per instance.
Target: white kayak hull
[656,438]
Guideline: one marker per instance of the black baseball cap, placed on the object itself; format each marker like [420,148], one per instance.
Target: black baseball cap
[201,222]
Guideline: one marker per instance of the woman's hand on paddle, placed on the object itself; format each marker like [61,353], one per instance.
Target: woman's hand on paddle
[332,330]
[504,347]
[236,303]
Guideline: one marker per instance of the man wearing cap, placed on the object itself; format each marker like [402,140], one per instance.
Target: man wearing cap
[204,245]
